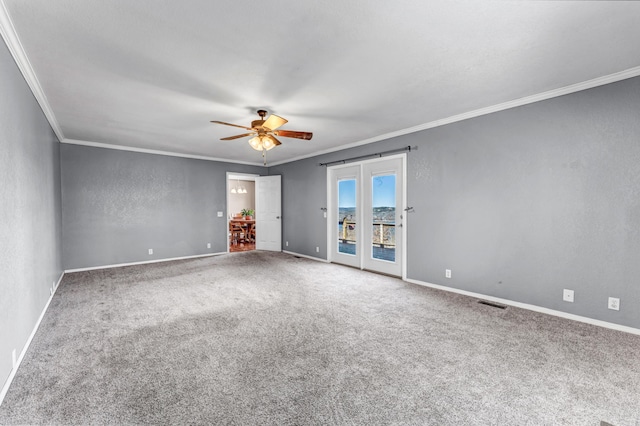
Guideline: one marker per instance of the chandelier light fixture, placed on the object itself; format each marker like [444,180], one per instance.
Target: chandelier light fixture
[238,189]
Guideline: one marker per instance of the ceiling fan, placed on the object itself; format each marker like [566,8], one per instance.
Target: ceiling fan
[264,133]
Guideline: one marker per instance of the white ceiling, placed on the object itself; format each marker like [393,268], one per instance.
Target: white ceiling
[150,75]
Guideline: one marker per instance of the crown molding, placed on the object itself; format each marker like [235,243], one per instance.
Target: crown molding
[578,87]
[154,151]
[15,47]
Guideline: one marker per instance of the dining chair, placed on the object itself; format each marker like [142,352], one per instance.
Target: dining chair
[251,233]
[236,231]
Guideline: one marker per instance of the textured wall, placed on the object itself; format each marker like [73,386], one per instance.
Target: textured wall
[519,204]
[118,204]
[304,193]
[523,203]
[30,224]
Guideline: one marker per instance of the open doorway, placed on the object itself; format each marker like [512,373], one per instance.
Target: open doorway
[241,205]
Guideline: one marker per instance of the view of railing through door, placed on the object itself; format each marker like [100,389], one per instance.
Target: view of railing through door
[383,230]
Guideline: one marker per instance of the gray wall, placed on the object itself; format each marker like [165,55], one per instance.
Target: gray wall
[519,204]
[30,223]
[304,193]
[119,204]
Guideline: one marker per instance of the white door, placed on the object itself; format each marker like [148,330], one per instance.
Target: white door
[366,214]
[268,213]
[343,218]
[382,215]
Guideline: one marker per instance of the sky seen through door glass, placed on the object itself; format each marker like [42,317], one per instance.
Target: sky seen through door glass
[384,192]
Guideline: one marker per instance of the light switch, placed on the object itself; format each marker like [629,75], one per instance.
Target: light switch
[219,214]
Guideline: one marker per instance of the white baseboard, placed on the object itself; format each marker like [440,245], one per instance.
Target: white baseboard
[144,262]
[305,256]
[7,384]
[534,308]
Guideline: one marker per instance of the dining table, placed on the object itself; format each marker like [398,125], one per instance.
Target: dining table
[247,224]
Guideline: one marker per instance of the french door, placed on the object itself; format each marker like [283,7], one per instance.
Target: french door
[366,214]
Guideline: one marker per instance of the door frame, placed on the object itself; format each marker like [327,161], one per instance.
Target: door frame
[331,207]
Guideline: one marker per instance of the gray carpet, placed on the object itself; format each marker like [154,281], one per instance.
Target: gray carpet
[267,338]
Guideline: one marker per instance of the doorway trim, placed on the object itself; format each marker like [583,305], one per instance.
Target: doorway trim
[331,207]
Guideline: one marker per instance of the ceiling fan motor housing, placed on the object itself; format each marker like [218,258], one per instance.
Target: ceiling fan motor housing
[257,123]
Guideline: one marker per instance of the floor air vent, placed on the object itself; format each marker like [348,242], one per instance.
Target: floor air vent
[494,305]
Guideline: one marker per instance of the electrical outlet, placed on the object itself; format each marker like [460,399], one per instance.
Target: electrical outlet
[150,251]
[286,243]
[317,249]
[325,215]
[447,273]
[614,303]
[567,295]
[208,245]
[219,214]
[14,360]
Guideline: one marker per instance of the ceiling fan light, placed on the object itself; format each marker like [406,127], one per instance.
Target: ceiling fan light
[267,143]
[256,143]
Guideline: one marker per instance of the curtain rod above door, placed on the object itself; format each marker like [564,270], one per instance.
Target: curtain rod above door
[377,154]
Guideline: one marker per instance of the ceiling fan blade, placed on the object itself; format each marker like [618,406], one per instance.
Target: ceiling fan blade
[234,125]
[293,134]
[230,138]
[276,142]
[273,122]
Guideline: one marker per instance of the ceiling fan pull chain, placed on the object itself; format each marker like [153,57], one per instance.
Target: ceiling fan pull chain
[264,156]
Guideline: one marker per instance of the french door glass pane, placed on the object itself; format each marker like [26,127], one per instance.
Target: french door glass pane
[347,216]
[383,192]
